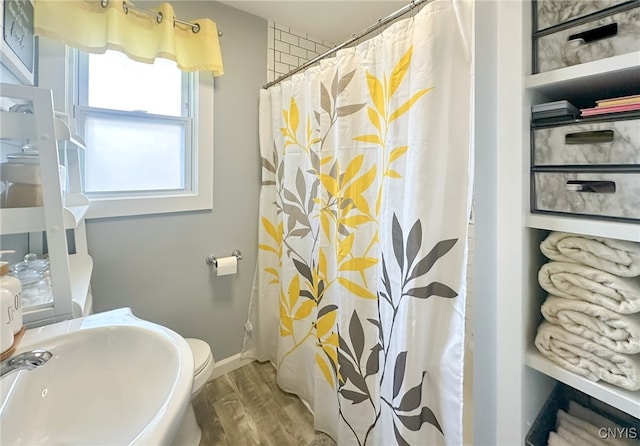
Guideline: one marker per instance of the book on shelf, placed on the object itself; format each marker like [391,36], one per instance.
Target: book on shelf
[623,100]
[557,111]
[610,109]
[613,105]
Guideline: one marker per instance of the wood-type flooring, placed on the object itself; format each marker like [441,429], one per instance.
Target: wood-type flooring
[246,407]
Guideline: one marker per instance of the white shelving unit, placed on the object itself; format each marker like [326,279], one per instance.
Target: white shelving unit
[571,83]
[588,81]
[521,379]
[52,136]
[20,220]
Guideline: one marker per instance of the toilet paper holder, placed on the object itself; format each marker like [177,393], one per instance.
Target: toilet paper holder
[212,260]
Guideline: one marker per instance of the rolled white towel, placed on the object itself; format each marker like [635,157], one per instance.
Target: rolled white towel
[618,257]
[579,411]
[607,428]
[587,358]
[586,431]
[556,440]
[620,333]
[574,439]
[575,281]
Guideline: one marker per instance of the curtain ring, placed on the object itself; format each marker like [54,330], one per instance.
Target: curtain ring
[195,27]
[159,17]
[125,8]
[104,3]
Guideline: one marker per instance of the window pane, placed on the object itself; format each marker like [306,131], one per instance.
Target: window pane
[133,154]
[119,83]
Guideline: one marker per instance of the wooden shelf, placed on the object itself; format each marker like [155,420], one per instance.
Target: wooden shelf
[80,269]
[73,215]
[21,126]
[77,206]
[38,314]
[625,400]
[63,133]
[23,220]
[602,228]
[18,126]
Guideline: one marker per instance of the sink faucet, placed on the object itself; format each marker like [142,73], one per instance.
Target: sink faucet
[24,361]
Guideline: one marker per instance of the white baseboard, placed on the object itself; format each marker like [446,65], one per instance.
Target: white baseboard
[228,365]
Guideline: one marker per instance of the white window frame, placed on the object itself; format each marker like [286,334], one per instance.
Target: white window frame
[198,193]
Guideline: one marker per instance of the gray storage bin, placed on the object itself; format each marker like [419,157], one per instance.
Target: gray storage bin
[545,423]
[597,143]
[594,194]
[597,39]
[554,12]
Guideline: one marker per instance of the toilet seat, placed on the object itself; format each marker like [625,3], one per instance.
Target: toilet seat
[202,363]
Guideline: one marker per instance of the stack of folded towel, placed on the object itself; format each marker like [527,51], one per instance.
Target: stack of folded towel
[583,427]
[592,313]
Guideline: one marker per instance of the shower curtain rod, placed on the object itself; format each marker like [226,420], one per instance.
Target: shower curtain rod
[381,22]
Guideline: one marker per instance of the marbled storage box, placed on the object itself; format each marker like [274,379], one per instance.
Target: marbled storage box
[554,12]
[594,194]
[586,144]
[589,168]
[590,39]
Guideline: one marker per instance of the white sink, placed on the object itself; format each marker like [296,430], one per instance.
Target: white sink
[113,379]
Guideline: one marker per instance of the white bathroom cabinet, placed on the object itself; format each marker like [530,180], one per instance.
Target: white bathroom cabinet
[524,378]
[62,212]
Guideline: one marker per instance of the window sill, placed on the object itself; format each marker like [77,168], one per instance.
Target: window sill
[125,207]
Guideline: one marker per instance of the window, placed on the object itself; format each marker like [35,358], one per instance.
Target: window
[146,152]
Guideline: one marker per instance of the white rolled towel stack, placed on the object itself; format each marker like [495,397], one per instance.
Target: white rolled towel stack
[593,307]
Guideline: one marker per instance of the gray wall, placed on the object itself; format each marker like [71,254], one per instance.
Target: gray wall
[156,264]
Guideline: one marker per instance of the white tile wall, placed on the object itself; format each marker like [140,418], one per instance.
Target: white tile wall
[289,48]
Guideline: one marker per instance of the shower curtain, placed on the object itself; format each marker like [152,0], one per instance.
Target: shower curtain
[359,293]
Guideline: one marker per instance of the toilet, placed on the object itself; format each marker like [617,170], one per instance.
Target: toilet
[189,432]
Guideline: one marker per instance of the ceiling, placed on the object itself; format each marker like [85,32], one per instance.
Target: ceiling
[331,20]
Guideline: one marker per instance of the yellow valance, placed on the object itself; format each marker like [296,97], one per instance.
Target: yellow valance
[95,26]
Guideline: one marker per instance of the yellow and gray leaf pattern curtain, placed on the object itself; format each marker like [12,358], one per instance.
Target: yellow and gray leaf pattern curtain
[359,293]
